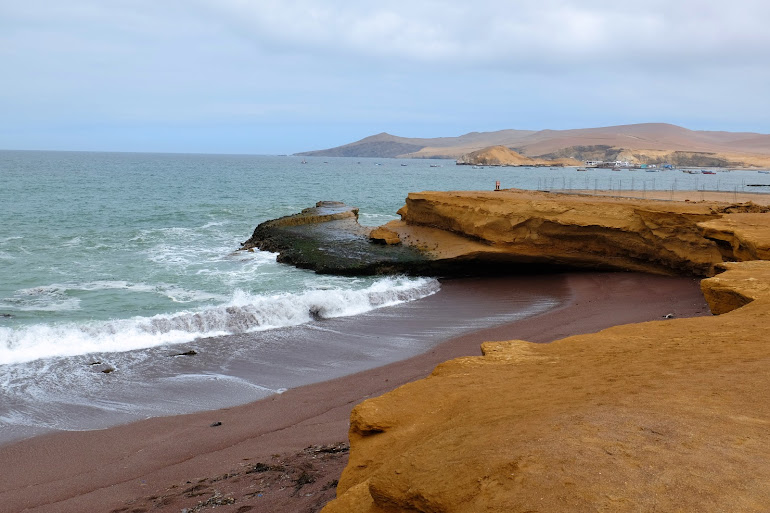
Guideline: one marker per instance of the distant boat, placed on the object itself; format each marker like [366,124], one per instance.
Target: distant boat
[582,169]
[690,171]
[303,161]
[403,165]
[704,172]
[434,165]
[764,172]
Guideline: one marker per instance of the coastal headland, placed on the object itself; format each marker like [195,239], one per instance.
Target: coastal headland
[670,414]
[638,144]
[633,417]
[514,231]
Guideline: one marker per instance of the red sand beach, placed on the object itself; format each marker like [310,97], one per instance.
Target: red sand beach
[284,453]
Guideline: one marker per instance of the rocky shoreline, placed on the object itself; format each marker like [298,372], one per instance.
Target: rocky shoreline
[328,239]
[670,414]
[666,415]
[513,231]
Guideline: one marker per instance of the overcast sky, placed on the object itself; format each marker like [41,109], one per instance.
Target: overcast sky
[264,76]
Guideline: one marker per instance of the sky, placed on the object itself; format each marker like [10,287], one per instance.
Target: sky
[284,76]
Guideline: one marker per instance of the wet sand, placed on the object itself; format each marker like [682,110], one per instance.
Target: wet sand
[284,453]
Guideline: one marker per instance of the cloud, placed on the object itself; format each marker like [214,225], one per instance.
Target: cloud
[413,68]
[528,34]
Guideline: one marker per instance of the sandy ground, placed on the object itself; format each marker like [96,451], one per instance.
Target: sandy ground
[727,197]
[284,453]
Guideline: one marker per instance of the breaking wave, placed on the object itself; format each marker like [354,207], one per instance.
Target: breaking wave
[243,313]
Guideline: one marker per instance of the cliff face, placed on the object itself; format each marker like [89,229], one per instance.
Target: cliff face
[660,416]
[521,227]
[514,231]
[503,156]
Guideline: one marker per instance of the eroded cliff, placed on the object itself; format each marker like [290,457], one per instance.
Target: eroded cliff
[514,231]
[524,227]
[670,415]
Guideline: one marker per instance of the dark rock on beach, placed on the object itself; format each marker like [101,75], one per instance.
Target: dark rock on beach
[328,239]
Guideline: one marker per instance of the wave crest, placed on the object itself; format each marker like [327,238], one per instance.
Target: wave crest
[244,313]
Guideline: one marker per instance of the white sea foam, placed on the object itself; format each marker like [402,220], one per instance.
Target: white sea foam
[173,292]
[243,313]
[74,241]
[49,298]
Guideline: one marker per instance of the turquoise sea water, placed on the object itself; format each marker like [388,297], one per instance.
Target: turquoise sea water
[119,253]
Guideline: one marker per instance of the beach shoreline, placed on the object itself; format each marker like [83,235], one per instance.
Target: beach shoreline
[153,464]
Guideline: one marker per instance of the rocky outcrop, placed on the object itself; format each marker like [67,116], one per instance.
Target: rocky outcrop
[524,227]
[384,236]
[669,415]
[328,239]
[740,236]
[504,156]
[514,231]
[744,283]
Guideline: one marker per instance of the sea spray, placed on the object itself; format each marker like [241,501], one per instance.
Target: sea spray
[243,313]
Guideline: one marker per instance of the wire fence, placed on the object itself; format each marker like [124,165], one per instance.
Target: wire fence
[667,187]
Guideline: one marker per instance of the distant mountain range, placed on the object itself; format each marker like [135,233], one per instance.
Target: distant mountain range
[641,143]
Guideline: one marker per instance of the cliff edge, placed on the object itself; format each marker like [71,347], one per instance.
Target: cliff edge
[520,228]
[516,231]
[669,415]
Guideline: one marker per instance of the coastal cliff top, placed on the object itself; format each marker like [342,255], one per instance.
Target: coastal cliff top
[515,231]
[668,415]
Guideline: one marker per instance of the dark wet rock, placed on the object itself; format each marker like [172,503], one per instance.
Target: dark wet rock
[328,239]
[98,366]
[191,352]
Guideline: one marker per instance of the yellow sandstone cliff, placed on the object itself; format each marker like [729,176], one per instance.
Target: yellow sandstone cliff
[672,415]
[523,227]
[504,156]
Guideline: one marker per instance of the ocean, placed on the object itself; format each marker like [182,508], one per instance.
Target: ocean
[123,294]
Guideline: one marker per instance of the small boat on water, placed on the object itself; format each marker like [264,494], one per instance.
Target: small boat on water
[303,161]
[762,172]
[582,169]
[706,172]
